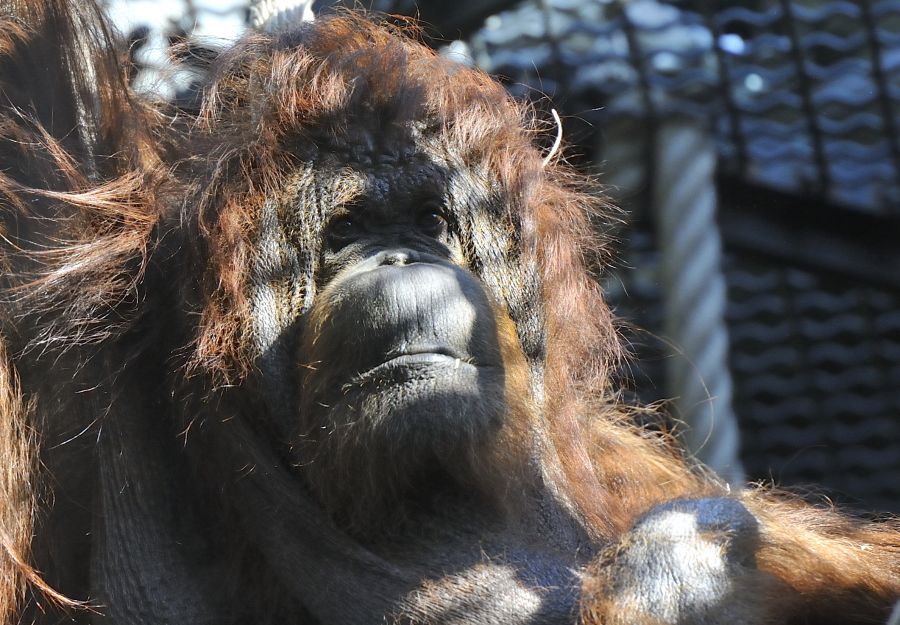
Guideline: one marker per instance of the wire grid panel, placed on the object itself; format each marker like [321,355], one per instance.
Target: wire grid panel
[805,95]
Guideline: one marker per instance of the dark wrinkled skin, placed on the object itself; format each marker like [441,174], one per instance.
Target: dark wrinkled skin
[413,381]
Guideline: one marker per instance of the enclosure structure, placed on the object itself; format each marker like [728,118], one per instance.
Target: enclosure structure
[802,99]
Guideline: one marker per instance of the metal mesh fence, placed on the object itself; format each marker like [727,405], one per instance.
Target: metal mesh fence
[816,363]
[805,95]
[818,360]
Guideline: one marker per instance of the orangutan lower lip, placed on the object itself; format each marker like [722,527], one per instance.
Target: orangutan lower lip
[424,358]
[415,365]
[423,350]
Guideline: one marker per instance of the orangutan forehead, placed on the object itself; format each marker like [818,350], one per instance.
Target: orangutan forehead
[388,176]
[368,140]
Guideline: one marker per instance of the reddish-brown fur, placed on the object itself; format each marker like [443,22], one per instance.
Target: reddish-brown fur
[81,281]
[16,491]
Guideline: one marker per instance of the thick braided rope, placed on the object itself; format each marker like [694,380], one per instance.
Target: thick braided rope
[695,298]
[273,15]
[894,618]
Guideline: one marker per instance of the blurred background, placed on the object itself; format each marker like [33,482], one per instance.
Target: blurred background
[754,146]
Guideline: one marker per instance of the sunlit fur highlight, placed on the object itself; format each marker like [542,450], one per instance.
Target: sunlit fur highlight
[17,491]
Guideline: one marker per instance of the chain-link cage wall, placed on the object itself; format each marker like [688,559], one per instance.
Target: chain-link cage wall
[805,95]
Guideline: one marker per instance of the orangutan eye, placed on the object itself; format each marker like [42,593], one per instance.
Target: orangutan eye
[432,221]
[343,229]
